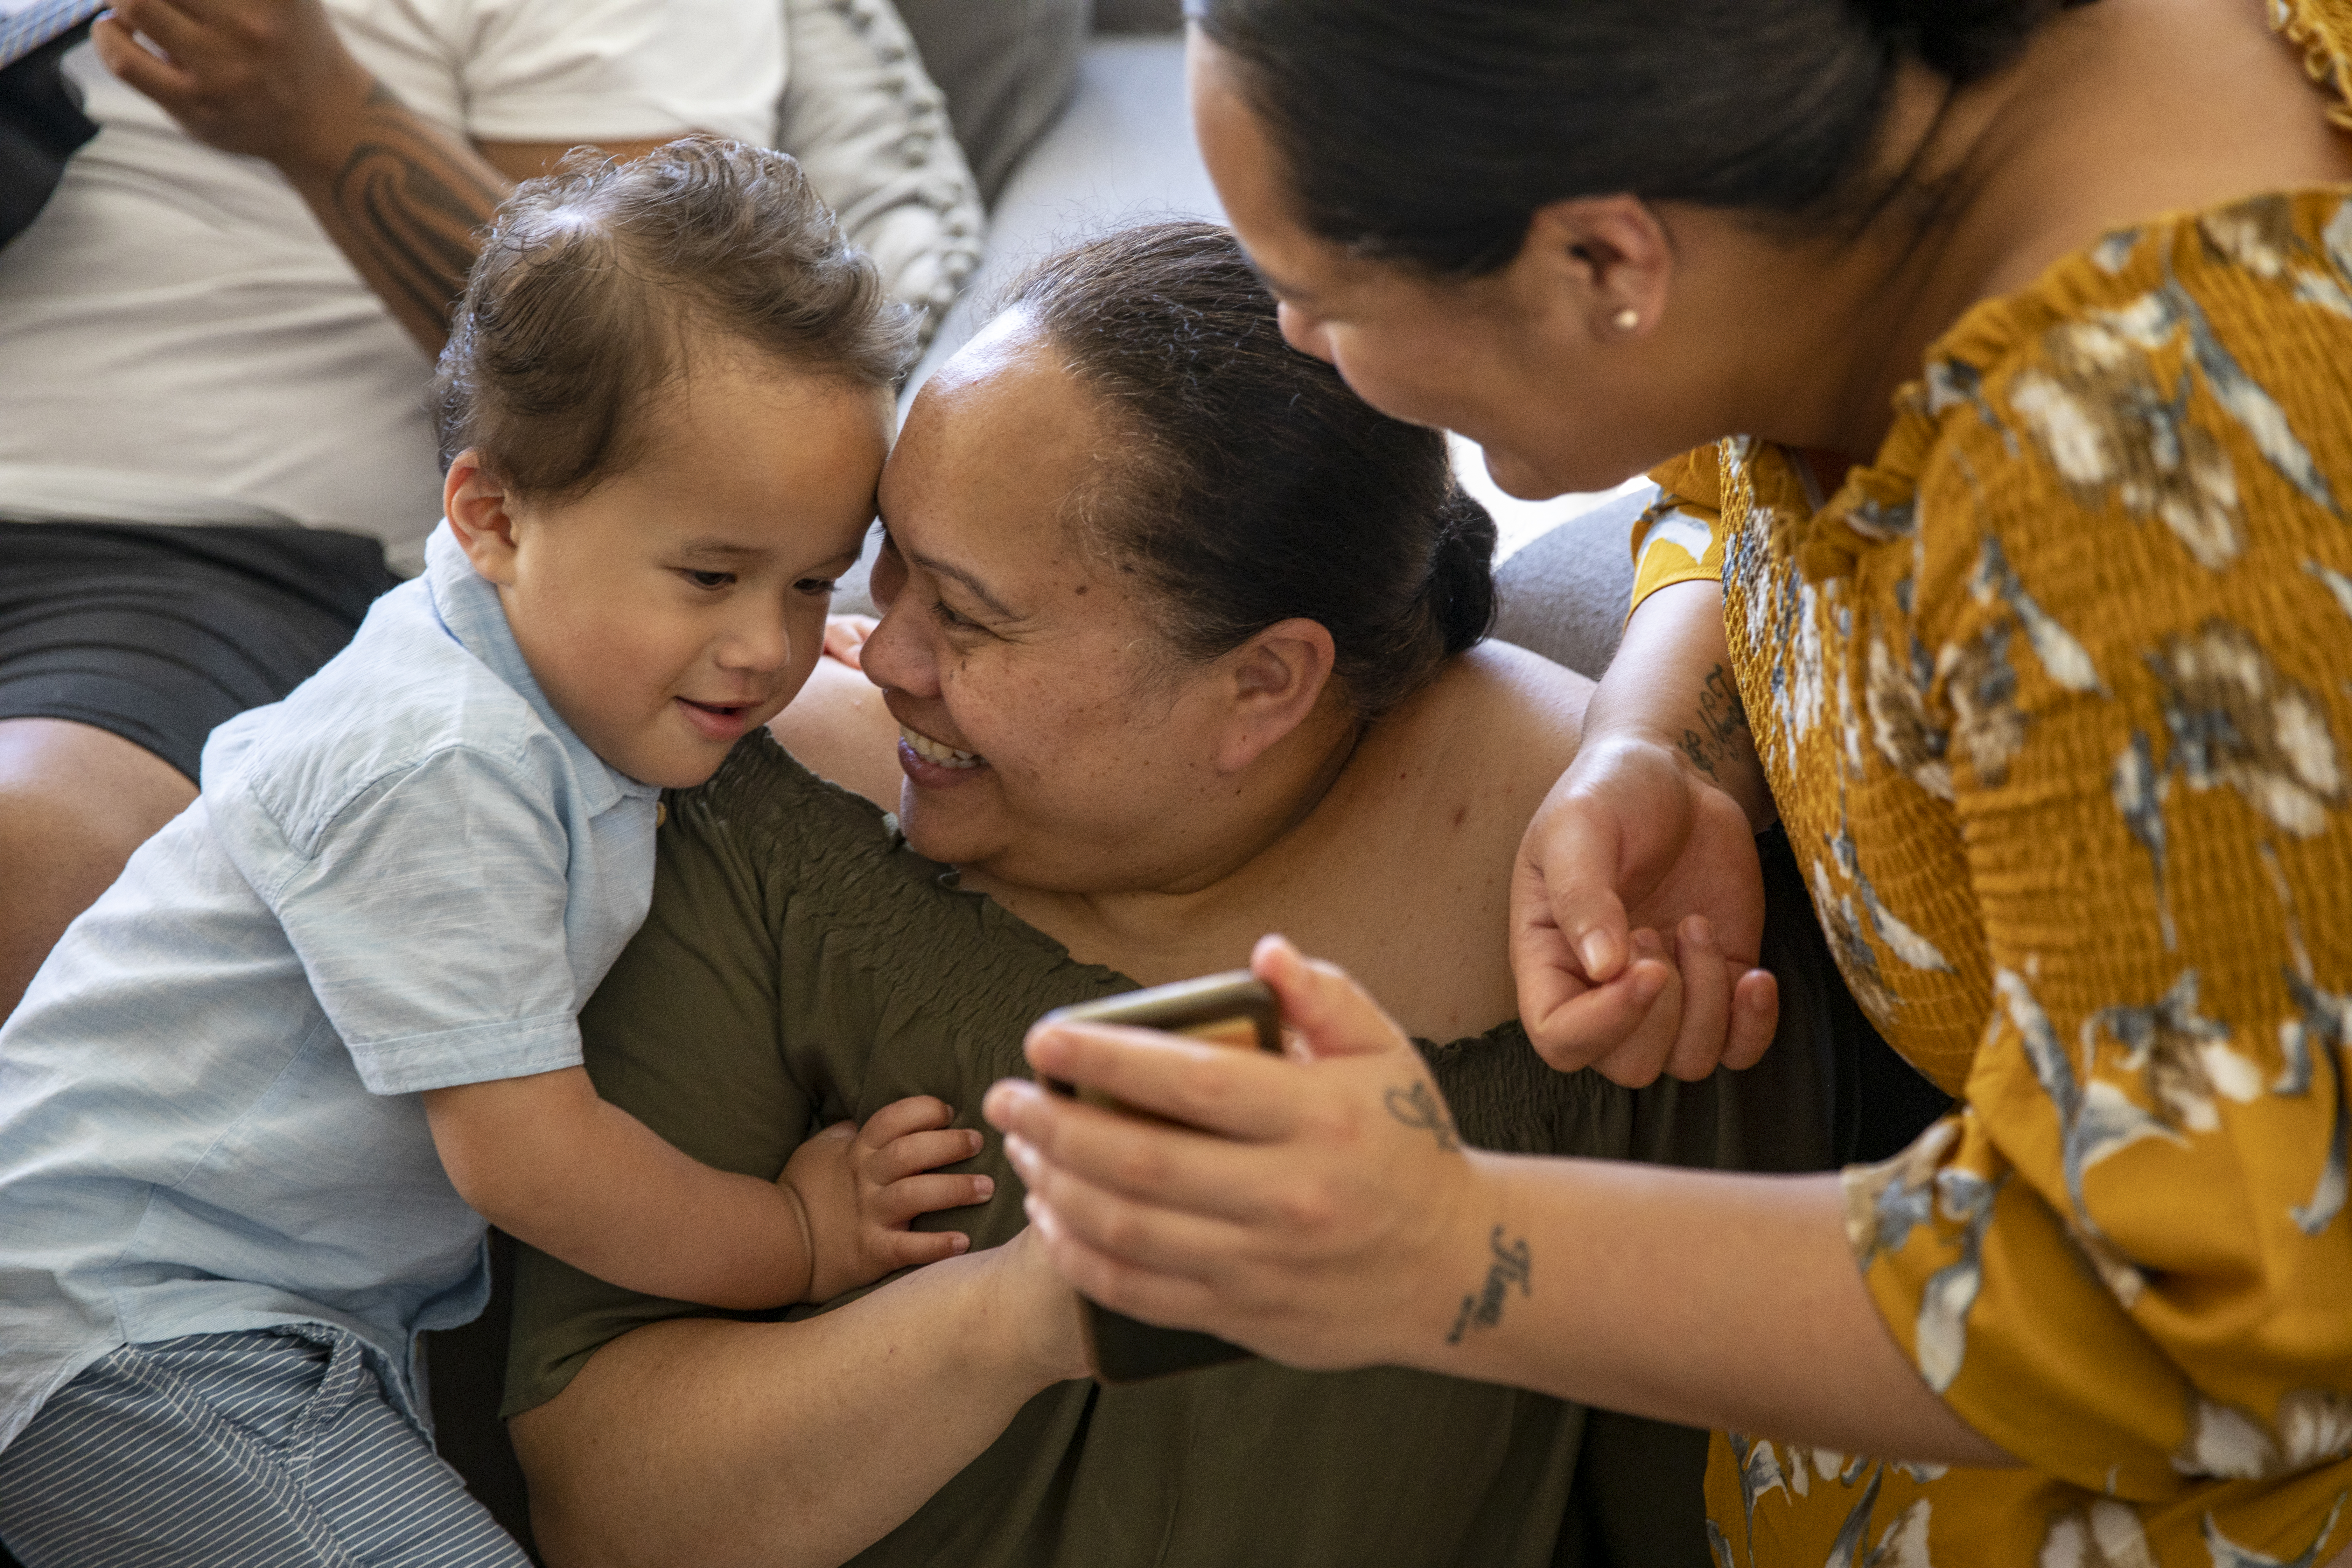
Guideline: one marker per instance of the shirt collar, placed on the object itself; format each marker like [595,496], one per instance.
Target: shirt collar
[469,606]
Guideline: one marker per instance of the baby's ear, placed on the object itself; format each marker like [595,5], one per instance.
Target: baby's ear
[476,503]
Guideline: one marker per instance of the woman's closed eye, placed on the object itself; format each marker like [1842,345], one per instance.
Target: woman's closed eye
[949,616]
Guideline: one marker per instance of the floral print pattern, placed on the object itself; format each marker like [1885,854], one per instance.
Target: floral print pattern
[2057,690]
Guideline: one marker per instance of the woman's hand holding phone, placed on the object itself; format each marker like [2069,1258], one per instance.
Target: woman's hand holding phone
[1309,1206]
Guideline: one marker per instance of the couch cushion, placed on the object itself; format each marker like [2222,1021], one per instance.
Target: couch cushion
[1564,595]
[1007,68]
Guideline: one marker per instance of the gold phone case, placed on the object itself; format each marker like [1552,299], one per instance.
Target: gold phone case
[1232,1009]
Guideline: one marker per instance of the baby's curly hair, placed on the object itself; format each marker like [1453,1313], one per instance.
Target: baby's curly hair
[597,280]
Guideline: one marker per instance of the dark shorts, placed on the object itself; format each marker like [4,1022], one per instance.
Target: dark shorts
[158,634]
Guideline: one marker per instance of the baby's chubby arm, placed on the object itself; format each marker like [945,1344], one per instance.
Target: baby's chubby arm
[545,1158]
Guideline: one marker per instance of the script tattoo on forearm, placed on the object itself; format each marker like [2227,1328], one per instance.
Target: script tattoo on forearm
[1420,1106]
[413,206]
[1722,718]
[1483,1309]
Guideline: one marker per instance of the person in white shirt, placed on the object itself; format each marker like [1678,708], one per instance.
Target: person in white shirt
[217,338]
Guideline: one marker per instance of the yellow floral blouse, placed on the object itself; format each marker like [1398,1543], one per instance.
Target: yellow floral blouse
[2055,697]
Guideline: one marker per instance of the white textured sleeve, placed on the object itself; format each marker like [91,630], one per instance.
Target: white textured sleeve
[611,70]
[872,131]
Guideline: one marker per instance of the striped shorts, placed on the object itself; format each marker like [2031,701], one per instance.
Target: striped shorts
[270,1449]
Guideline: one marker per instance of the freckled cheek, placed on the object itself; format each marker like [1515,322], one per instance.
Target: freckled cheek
[1032,736]
[987,718]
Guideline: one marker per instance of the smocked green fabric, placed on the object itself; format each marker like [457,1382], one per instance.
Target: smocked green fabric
[800,965]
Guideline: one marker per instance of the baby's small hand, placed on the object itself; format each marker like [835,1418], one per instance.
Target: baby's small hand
[862,1186]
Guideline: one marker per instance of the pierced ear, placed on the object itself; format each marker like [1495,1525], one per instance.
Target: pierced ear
[1602,261]
[1278,677]
[476,503]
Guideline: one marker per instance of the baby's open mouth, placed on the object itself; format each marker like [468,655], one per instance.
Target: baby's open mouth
[938,751]
[717,720]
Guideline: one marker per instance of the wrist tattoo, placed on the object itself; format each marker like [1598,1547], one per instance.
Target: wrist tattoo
[1723,720]
[1420,1106]
[412,206]
[1507,1267]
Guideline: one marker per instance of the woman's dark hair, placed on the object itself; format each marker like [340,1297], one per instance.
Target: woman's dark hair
[1250,485]
[1429,131]
[596,281]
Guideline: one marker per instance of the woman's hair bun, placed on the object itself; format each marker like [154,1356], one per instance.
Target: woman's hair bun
[1963,39]
[1462,572]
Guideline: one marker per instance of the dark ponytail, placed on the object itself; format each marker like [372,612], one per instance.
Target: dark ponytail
[1251,486]
[1429,131]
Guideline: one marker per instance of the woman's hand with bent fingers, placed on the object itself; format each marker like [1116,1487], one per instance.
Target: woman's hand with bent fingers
[1629,844]
[1637,905]
[1314,1216]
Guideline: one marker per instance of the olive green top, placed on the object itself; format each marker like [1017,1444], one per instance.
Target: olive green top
[800,965]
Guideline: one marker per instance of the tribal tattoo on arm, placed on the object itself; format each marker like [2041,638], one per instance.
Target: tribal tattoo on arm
[406,206]
[1722,732]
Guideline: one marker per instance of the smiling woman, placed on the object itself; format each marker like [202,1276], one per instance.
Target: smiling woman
[1181,643]
[1272,569]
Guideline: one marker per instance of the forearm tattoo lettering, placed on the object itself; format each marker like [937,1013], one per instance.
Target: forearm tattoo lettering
[1420,1106]
[413,209]
[1483,1309]
[1722,720]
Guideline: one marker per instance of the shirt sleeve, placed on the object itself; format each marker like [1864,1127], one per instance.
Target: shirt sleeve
[614,70]
[1678,538]
[429,917]
[2126,1259]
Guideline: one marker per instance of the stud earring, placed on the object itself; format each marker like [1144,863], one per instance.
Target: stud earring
[1626,320]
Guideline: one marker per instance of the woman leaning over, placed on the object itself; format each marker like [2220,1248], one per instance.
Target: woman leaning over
[2010,347]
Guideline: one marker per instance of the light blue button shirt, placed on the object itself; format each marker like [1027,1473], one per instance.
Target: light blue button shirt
[407,875]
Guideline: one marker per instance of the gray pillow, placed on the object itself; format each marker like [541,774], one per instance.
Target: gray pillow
[872,131]
[1007,68]
[1564,595]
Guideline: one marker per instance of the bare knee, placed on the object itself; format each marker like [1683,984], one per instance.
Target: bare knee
[75,801]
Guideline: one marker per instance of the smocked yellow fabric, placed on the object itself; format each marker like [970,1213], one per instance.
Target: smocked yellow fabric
[2055,697]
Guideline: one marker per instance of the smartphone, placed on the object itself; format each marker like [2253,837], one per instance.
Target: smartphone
[1236,1010]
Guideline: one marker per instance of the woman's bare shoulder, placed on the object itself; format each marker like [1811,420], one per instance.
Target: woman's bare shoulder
[1500,708]
[1413,864]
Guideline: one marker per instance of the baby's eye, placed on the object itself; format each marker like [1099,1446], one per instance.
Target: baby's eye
[711,580]
[814,585]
